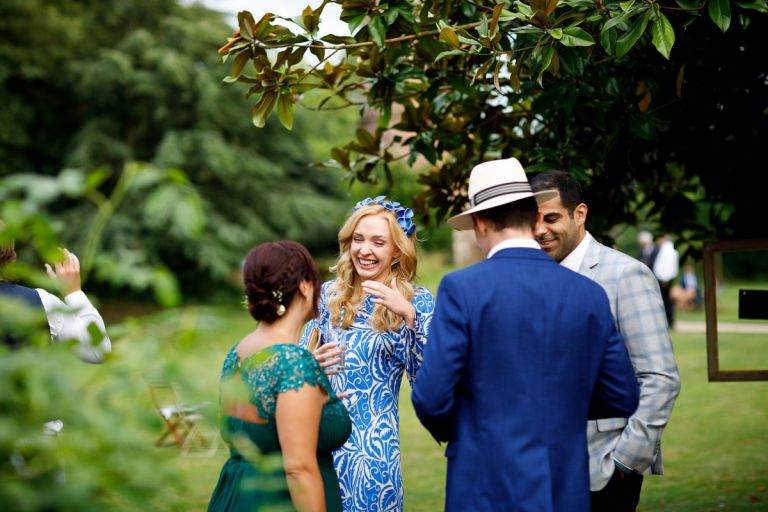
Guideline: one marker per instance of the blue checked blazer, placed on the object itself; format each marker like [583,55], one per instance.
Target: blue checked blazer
[635,300]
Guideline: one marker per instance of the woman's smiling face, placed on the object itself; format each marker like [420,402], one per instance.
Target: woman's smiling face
[373,248]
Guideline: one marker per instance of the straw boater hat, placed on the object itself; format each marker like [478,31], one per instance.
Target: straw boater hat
[493,184]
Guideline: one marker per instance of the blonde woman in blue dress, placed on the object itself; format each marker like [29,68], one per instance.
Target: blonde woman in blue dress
[383,320]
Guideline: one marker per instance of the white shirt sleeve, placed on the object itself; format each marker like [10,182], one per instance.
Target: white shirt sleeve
[69,320]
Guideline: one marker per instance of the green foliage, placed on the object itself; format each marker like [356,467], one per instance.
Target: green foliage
[103,85]
[635,98]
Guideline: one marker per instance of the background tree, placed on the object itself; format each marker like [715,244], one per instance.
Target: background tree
[92,86]
[658,106]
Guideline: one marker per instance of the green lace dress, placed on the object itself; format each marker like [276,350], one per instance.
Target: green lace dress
[253,478]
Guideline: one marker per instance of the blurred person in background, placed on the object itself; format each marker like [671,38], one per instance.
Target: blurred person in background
[68,319]
[666,266]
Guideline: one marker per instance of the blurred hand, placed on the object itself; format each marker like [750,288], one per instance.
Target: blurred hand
[66,274]
[328,354]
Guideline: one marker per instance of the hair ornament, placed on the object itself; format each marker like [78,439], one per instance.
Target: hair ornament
[403,215]
[277,295]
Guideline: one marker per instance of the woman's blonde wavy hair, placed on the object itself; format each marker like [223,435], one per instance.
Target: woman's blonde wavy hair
[347,290]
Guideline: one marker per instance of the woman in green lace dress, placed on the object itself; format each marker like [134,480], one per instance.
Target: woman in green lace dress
[280,417]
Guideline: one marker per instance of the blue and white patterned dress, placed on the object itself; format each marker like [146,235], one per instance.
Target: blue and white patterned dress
[368,465]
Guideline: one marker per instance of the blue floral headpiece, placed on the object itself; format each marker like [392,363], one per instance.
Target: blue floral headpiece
[404,215]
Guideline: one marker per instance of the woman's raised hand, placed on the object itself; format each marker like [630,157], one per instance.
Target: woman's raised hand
[391,298]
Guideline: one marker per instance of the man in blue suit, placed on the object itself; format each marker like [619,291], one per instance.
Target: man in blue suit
[521,352]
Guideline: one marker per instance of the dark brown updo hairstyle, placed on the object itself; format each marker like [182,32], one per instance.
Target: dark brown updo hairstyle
[272,273]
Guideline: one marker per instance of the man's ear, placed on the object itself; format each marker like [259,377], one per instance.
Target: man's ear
[580,214]
[480,224]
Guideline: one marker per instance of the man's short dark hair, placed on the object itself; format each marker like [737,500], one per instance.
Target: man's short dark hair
[517,214]
[570,189]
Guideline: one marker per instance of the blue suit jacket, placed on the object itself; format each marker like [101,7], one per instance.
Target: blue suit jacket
[522,351]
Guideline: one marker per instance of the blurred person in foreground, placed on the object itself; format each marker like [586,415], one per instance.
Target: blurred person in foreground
[621,450]
[275,398]
[383,320]
[522,351]
[68,319]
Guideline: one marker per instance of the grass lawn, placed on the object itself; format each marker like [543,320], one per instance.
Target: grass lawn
[715,447]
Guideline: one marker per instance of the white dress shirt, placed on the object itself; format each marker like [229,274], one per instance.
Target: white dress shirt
[514,243]
[69,320]
[574,259]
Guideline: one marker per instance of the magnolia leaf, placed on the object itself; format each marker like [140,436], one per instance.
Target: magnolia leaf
[495,19]
[549,52]
[720,12]
[625,6]
[496,76]
[575,36]
[246,23]
[663,35]
[308,19]
[285,110]
[514,77]
[524,9]
[318,52]
[756,5]
[556,33]
[482,69]
[468,39]
[448,35]
[616,20]
[367,140]
[263,108]
[239,63]
[377,30]
[449,53]
[630,37]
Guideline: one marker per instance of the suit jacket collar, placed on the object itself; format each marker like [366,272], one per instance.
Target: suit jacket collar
[521,252]
[591,261]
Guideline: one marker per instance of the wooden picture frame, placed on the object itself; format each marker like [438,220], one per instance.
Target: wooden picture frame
[711,249]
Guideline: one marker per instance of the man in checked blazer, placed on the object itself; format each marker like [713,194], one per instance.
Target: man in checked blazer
[621,451]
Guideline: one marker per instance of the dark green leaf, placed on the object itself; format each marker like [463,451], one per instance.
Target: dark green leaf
[318,52]
[391,15]
[663,35]
[549,53]
[630,37]
[575,36]
[377,29]
[755,5]
[720,12]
